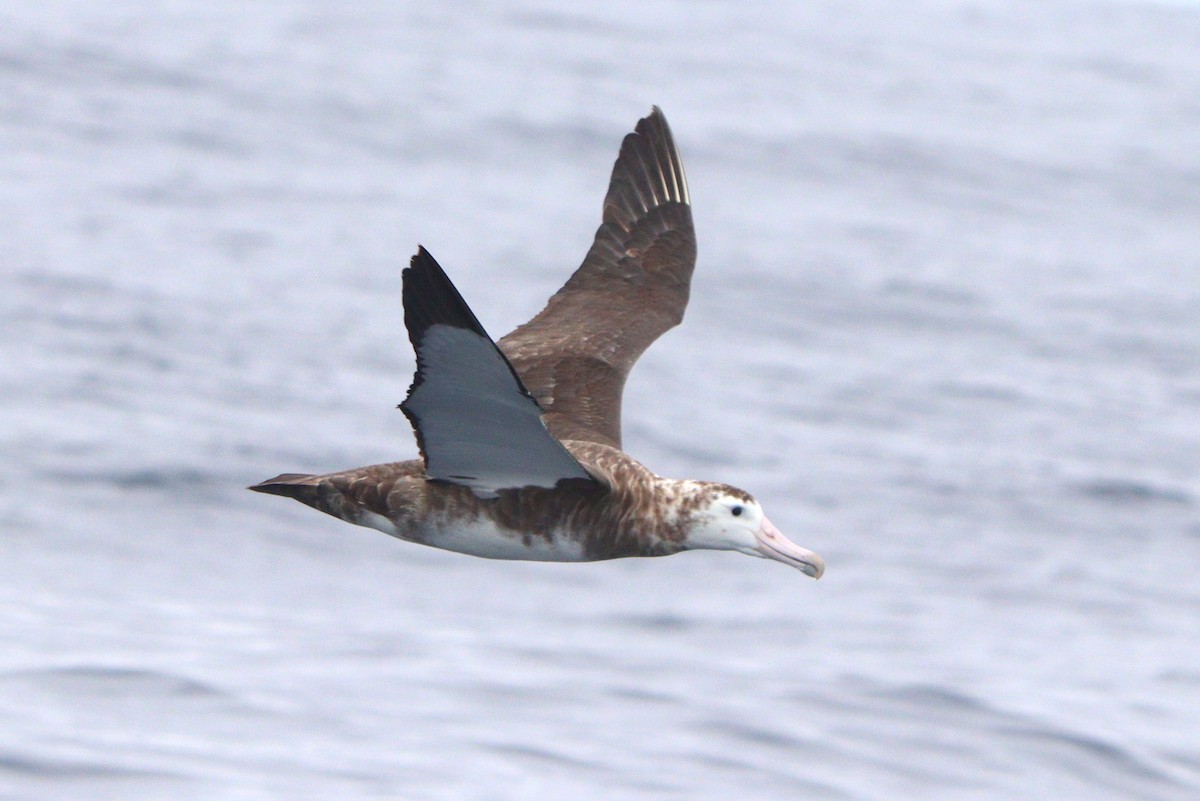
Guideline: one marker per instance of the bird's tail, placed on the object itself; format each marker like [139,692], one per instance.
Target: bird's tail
[301,486]
[345,495]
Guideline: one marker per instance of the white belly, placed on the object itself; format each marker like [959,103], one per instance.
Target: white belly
[481,537]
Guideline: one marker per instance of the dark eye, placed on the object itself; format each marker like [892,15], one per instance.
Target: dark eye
[737,511]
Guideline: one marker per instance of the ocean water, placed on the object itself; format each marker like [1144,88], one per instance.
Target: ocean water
[945,325]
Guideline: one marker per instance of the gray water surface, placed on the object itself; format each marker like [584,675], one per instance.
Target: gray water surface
[944,325]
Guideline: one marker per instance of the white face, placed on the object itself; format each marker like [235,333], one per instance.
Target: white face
[728,523]
[732,523]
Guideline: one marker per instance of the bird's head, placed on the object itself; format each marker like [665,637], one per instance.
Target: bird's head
[727,519]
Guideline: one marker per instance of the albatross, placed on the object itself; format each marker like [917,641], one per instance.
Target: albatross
[520,440]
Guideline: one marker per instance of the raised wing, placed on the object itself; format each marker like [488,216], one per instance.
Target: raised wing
[475,422]
[633,285]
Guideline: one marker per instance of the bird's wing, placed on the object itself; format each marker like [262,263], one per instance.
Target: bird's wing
[633,285]
[476,423]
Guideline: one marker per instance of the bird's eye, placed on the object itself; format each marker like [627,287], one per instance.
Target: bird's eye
[737,511]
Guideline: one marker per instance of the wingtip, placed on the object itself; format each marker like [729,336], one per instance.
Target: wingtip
[420,259]
[430,297]
[648,173]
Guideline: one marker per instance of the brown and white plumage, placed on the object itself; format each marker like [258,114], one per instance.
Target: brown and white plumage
[520,440]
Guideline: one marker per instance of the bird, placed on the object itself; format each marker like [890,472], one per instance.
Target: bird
[519,441]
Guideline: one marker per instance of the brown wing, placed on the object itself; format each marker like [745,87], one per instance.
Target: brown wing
[633,285]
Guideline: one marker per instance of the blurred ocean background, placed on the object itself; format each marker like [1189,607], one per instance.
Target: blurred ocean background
[945,325]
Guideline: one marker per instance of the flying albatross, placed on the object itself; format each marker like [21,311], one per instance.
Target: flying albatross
[520,441]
